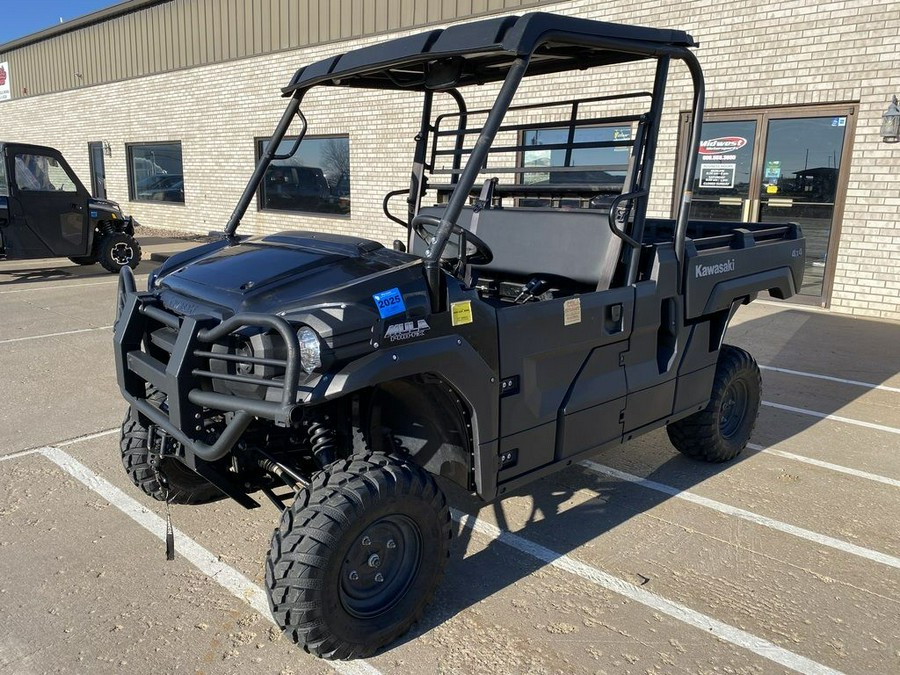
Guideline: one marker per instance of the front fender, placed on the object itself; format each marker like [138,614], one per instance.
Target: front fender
[454,361]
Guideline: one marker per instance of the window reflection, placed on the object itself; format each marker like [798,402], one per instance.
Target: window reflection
[155,172]
[315,180]
[39,173]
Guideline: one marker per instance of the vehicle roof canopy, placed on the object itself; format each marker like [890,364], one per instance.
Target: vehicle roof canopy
[482,51]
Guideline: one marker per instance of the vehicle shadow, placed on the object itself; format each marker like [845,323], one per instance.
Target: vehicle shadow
[74,272]
[11,273]
[561,514]
[569,509]
[825,344]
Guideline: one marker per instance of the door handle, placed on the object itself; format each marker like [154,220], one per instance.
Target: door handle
[614,316]
[77,207]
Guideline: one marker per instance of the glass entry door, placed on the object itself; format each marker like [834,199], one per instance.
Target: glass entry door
[724,177]
[98,170]
[778,166]
[799,184]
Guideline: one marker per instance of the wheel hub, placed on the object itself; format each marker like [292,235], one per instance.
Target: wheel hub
[733,409]
[122,253]
[380,566]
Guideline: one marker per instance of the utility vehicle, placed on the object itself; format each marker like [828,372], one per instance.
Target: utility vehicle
[537,317]
[46,212]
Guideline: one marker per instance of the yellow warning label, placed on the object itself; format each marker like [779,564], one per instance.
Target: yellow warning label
[572,311]
[461,312]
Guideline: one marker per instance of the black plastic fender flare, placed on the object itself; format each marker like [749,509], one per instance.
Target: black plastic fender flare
[453,360]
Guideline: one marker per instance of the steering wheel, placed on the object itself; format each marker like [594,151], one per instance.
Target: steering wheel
[477,252]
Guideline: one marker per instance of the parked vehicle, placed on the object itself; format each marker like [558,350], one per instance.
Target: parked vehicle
[46,212]
[295,188]
[338,377]
[166,187]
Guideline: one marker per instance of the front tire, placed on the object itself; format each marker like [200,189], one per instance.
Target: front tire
[117,250]
[176,482]
[358,555]
[720,431]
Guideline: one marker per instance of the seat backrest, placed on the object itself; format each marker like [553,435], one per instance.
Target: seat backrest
[576,244]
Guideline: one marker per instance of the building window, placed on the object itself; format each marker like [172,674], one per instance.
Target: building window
[155,172]
[599,159]
[602,164]
[315,180]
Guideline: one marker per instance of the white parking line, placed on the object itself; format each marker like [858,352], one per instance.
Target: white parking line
[825,465]
[765,521]
[224,575]
[53,288]
[834,418]
[50,335]
[858,383]
[88,437]
[720,630]
[16,455]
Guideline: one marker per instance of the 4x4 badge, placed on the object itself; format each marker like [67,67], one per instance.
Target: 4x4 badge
[406,330]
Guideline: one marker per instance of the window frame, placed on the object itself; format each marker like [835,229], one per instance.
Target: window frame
[258,150]
[132,188]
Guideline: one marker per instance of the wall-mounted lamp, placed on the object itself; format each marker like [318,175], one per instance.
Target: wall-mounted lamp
[107,149]
[890,123]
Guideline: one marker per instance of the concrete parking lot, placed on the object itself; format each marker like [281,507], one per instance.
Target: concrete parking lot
[640,561]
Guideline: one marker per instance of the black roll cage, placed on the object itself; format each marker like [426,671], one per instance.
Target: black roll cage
[463,178]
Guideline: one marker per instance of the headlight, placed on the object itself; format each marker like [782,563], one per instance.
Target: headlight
[310,349]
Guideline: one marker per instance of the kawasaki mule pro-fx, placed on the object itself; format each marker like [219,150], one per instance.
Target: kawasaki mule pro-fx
[538,318]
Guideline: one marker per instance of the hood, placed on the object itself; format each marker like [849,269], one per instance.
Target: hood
[273,273]
[104,205]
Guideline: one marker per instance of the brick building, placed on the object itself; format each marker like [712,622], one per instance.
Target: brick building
[165,105]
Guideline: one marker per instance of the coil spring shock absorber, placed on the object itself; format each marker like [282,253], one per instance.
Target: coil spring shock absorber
[321,437]
[105,228]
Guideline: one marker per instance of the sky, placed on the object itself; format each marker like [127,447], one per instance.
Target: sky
[19,18]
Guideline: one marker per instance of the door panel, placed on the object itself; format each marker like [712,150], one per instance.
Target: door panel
[545,357]
[47,205]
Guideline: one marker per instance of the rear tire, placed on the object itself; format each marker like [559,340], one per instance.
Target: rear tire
[117,250]
[358,555]
[84,260]
[179,484]
[720,431]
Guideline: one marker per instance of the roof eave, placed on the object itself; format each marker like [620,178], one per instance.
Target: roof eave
[119,9]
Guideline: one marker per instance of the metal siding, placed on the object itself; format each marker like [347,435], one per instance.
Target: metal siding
[186,33]
[357,17]
[368,17]
[332,12]
[284,24]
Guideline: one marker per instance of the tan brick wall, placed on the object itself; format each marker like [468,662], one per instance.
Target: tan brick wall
[794,52]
